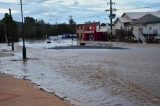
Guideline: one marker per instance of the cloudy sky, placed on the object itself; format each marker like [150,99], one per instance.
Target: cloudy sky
[52,11]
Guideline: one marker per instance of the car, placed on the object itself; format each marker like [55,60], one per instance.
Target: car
[48,41]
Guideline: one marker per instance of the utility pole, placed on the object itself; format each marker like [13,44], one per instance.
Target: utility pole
[111,11]
[71,28]
[11,36]
[10,12]
[23,48]
[5,32]
[111,15]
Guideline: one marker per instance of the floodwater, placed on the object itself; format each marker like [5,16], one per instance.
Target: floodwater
[92,77]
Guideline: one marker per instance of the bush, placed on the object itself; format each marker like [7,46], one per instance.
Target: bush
[124,36]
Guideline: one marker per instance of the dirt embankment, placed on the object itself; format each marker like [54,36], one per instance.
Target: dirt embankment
[16,92]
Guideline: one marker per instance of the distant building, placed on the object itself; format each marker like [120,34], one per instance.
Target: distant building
[91,32]
[122,23]
[80,31]
[141,23]
[148,26]
[127,18]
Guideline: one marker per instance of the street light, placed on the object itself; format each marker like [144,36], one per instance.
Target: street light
[23,48]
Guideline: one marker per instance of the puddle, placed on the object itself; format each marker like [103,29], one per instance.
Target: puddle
[4,54]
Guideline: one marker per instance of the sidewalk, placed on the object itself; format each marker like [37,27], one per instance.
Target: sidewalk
[16,92]
[122,44]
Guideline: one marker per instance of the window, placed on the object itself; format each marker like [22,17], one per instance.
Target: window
[140,29]
[77,27]
[81,34]
[155,31]
[150,27]
[81,37]
[77,34]
[81,26]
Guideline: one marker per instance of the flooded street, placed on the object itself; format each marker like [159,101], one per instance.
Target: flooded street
[92,77]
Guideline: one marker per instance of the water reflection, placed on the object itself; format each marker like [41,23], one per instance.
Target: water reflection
[24,66]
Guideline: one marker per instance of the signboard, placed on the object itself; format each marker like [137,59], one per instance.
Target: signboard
[110,24]
[112,16]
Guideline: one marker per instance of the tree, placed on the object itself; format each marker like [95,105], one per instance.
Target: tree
[39,29]
[10,27]
[123,35]
[71,21]
[33,28]
[29,20]
[2,37]
[72,26]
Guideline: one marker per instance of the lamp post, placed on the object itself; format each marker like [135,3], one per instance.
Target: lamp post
[23,48]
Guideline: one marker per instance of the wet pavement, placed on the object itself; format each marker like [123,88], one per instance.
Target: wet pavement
[92,77]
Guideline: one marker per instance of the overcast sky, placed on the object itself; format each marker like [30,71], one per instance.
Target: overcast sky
[52,11]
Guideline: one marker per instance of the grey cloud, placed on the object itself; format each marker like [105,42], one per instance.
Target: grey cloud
[50,10]
[76,3]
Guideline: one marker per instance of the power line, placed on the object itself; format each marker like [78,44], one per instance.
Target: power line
[141,7]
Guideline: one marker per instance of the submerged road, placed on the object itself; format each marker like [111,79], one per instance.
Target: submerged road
[93,77]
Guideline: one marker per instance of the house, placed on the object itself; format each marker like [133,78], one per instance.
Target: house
[91,32]
[147,27]
[80,31]
[125,22]
[127,18]
[122,23]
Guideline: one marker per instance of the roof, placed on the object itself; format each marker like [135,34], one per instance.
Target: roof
[147,19]
[157,14]
[137,15]
[124,20]
[90,23]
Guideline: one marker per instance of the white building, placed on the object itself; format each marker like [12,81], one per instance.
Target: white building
[121,23]
[103,28]
[126,21]
[147,26]
[127,18]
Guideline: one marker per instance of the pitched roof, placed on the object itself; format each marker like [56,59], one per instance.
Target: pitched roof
[157,14]
[147,19]
[137,15]
[124,20]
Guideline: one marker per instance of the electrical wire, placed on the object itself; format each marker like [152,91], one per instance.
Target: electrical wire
[140,7]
